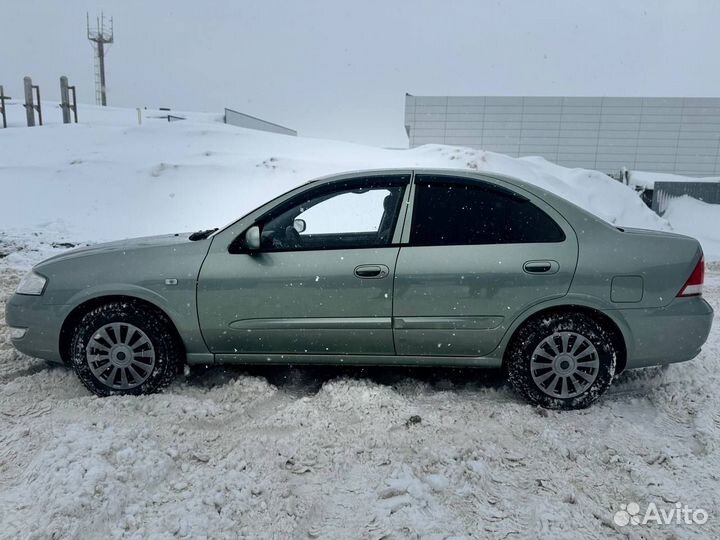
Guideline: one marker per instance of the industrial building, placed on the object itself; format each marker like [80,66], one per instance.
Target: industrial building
[669,135]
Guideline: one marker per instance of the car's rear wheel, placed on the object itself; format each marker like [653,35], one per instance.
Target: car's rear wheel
[124,347]
[562,360]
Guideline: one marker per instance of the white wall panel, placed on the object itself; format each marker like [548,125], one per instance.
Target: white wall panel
[680,135]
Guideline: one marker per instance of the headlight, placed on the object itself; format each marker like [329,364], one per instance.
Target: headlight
[32,283]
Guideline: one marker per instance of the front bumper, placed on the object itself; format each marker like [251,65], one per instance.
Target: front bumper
[674,333]
[43,323]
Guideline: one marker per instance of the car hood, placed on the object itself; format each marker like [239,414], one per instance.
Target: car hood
[121,245]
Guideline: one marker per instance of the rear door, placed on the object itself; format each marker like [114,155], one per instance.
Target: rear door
[478,254]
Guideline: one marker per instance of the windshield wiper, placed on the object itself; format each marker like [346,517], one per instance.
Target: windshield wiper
[202,235]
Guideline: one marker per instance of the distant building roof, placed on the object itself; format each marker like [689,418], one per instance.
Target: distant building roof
[239,119]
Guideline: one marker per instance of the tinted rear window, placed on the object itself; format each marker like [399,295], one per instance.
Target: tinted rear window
[455,213]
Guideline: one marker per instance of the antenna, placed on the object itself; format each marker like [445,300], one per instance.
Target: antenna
[100,35]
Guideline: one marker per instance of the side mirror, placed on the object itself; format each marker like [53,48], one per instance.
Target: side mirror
[252,238]
[299,225]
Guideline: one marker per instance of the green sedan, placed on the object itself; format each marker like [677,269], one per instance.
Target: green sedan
[388,267]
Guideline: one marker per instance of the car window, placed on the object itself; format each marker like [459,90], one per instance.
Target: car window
[461,213]
[349,216]
[346,213]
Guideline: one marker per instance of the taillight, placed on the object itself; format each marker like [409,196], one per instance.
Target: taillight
[694,284]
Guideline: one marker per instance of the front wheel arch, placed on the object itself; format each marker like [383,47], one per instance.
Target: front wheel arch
[79,311]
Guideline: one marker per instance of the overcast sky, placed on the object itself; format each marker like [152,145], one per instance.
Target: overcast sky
[340,69]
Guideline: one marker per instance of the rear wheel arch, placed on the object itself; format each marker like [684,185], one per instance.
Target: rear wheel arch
[79,311]
[617,336]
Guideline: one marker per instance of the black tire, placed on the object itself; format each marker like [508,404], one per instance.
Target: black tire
[168,354]
[523,344]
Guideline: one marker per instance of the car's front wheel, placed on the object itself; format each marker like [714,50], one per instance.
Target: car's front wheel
[124,347]
[563,360]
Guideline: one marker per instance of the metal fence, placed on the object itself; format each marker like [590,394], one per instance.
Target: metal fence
[664,192]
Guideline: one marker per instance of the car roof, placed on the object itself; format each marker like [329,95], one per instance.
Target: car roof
[558,202]
[466,173]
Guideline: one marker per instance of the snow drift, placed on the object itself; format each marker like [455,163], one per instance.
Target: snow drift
[106,178]
[698,219]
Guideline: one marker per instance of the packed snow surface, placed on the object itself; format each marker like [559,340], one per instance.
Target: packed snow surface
[332,453]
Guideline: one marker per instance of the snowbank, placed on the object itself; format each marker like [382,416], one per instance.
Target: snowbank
[109,178]
[698,219]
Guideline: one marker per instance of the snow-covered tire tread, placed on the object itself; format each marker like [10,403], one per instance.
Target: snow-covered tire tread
[532,332]
[154,323]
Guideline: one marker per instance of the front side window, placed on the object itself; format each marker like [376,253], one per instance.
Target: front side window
[461,212]
[354,214]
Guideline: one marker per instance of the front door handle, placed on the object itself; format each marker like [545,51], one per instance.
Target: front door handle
[371,271]
[541,267]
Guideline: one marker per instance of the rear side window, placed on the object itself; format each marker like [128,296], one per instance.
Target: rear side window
[461,213]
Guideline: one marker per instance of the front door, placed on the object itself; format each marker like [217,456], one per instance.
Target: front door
[478,255]
[322,281]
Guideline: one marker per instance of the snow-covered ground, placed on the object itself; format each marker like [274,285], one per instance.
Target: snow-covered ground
[346,453]
[309,452]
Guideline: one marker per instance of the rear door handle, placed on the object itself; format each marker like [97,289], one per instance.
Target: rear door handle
[371,271]
[541,267]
